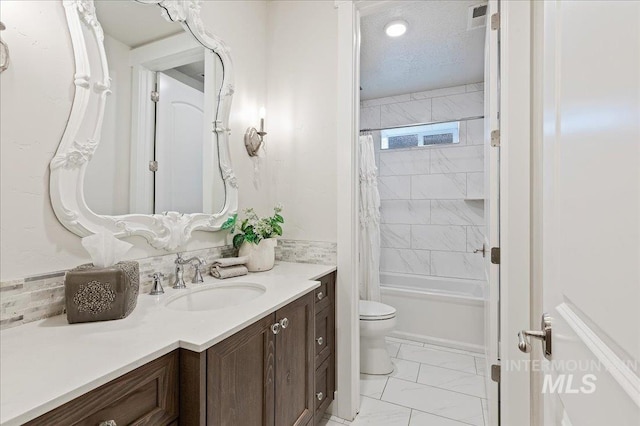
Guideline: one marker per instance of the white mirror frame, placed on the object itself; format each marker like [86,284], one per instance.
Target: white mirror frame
[81,137]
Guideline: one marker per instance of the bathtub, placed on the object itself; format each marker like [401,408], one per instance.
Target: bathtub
[436,310]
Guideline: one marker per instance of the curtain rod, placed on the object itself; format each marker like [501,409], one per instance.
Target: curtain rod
[423,124]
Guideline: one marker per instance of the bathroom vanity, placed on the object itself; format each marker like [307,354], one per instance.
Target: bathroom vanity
[269,360]
[279,370]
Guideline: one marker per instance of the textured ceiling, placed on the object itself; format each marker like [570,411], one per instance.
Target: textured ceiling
[436,51]
[133,23]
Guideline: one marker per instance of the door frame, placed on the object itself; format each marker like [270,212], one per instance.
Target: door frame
[347,397]
[515,208]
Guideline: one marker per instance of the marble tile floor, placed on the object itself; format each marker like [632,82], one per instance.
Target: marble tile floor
[430,386]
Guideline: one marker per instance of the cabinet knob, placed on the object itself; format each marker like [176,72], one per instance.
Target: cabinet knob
[284,323]
[320,296]
[108,423]
[275,328]
[320,341]
[319,395]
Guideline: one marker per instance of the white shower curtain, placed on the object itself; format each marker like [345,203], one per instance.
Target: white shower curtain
[369,222]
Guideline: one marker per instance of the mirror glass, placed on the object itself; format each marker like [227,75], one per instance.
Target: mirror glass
[158,151]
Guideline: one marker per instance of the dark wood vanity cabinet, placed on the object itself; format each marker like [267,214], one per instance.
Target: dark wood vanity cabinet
[146,396]
[278,371]
[258,377]
[263,375]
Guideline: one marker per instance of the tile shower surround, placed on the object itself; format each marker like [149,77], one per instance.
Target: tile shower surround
[41,296]
[432,215]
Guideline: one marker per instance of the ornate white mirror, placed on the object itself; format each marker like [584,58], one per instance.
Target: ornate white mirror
[145,151]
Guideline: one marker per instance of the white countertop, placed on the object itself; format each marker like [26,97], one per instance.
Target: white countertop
[47,363]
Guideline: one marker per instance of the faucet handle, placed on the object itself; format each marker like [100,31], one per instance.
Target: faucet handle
[197,275]
[157,284]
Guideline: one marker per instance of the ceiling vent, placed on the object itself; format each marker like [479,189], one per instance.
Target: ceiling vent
[477,16]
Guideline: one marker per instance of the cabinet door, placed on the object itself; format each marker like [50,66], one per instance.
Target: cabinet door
[324,295]
[240,377]
[324,335]
[146,396]
[294,363]
[325,385]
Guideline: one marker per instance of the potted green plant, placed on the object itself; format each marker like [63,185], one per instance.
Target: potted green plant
[256,237]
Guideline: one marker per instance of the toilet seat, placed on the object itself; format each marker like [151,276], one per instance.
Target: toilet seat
[375,311]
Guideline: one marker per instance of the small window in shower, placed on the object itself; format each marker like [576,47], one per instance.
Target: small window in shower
[423,135]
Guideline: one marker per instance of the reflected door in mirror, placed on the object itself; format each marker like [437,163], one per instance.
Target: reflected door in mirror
[179,145]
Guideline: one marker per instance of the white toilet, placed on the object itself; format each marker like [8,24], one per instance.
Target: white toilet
[377,320]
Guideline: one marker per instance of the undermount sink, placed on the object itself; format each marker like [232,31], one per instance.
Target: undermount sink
[211,298]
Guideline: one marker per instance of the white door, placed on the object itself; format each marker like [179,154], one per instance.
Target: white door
[590,194]
[492,211]
[178,147]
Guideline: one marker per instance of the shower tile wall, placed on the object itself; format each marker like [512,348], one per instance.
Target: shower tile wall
[432,212]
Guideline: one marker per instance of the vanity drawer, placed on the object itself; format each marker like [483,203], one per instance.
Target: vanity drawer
[324,294]
[324,387]
[147,395]
[324,334]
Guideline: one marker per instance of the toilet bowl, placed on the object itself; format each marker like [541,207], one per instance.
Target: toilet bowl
[377,320]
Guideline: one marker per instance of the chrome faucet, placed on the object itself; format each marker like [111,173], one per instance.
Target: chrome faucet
[197,275]
[180,262]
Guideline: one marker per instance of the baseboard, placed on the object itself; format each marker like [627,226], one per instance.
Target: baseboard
[332,411]
[453,344]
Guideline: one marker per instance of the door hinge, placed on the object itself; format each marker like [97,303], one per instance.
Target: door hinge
[495,373]
[495,255]
[153,166]
[495,138]
[155,96]
[495,21]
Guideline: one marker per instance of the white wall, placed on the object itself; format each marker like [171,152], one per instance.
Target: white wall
[298,168]
[35,101]
[301,115]
[431,197]
[243,27]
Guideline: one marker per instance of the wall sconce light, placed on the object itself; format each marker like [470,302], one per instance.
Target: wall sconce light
[4,52]
[253,138]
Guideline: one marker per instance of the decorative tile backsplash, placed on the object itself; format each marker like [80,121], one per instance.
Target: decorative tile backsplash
[432,213]
[42,296]
[320,252]
[31,299]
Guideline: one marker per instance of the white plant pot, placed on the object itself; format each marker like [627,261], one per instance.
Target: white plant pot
[262,256]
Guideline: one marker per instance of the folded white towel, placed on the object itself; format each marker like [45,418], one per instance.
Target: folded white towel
[230,261]
[229,272]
